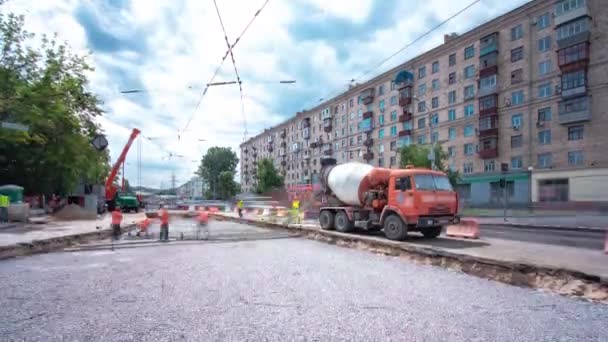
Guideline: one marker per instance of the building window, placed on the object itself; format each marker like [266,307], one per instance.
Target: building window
[434,137]
[516,163]
[393,145]
[452,97]
[517,76]
[381,89]
[544,160]
[517,54]
[467,168]
[575,132]
[517,120]
[421,72]
[469,52]
[575,105]
[451,114]
[487,102]
[517,141]
[421,106]
[487,82]
[544,114]
[434,119]
[544,67]
[381,133]
[469,130]
[517,32]
[544,44]
[393,161]
[452,78]
[566,6]
[544,90]
[469,110]
[393,131]
[573,53]
[544,137]
[489,165]
[575,158]
[435,102]
[573,80]
[381,105]
[469,149]
[435,67]
[394,100]
[469,72]
[421,139]
[394,116]
[435,84]
[421,123]
[381,119]
[543,21]
[421,89]
[517,97]
[469,92]
[452,59]
[451,151]
[452,133]
[573,28]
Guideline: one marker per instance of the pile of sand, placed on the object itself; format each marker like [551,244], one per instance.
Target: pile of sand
[74,212]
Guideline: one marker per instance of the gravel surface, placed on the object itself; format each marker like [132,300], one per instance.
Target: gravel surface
[278,290]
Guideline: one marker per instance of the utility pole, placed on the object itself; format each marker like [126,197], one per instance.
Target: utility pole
[504,168]
[173,181]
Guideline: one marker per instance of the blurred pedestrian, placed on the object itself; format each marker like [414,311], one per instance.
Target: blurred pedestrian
[164,224]
[240,207]
[116,221]
[4,203]
[203,220]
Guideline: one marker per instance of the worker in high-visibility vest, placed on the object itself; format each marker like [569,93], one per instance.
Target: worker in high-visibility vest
[116,221]
[240,207]
[4,203]
[164,224]
[295,210]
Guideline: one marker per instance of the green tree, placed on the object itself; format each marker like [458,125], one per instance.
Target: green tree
[46,89]
[417,155]
[227,186]
[214,162]
[268,177]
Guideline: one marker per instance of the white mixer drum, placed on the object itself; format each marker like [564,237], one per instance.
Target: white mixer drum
[347,181]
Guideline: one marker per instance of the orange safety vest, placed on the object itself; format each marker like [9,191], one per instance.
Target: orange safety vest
[203,216]
[164,216]
[116,217]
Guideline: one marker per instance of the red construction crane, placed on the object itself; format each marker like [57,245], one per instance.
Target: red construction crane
[110,188]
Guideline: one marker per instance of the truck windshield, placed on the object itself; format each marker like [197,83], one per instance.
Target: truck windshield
[432,182]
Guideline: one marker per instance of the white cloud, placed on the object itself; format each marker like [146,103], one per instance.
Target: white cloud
[184,46]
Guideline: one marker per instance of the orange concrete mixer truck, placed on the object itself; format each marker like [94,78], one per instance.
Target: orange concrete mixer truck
[395,200]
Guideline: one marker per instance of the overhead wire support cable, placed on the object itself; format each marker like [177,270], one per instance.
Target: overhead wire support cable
[221,63]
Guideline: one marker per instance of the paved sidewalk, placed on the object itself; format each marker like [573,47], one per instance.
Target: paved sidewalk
[26,233]
[578,221]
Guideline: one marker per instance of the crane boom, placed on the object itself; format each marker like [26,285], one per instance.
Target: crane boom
[110,188]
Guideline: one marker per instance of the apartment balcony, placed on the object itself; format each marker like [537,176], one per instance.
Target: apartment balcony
[404,79]
[405,101]
[328,152]
[245,172]
[255,155]
[246,150]
[368,115]
[573,58]
[283,134]
[270,148]
[306,133]
[486,49]
[571,15]
[488,153]
[283,163]
[488,71]
[368,142]
[368,156]
[574,92]
[306,123]
[488,132]
[314,144]
[488,109]
[327,125]
[574,110]
[487,90]
[405,133]
[574,39]
[367,96]
[405,117]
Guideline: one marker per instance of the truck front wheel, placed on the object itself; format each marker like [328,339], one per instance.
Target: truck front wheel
[431,232]
[326,219]
[395,228]
[343,223]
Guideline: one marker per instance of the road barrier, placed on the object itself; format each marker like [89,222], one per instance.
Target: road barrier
[467,228]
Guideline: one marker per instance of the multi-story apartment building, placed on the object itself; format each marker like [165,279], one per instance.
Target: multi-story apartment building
[528,89]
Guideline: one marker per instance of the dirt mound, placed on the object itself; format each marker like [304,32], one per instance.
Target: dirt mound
[74,212]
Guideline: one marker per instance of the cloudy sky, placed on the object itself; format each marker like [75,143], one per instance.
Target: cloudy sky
[170,48]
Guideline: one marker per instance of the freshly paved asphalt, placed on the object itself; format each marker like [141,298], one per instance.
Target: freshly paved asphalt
[551,236]
[272,289]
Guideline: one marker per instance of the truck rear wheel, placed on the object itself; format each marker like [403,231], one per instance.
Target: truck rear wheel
[343,223]
[395,228]
[431,232]
[326,220]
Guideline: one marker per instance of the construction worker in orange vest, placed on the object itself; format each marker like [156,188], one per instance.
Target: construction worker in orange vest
[116,220]
[203,219]
[164,224]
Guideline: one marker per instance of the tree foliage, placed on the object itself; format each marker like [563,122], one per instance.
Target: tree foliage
[219,161]
[418,155]
[268,177]
[46,88]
